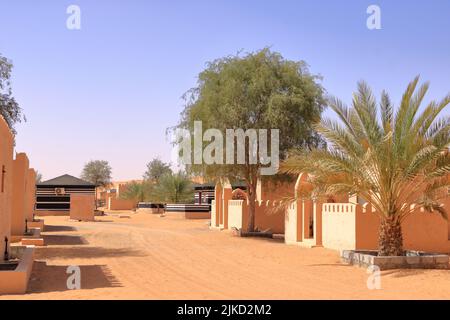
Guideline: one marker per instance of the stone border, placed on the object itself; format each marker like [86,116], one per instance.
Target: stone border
[16,281]
[412,260]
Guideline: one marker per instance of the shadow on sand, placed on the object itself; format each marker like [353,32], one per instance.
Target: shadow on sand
[59,228]
[49,278]
[85,252]
[64,240]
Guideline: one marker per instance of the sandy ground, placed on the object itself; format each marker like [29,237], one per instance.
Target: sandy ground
[148,257]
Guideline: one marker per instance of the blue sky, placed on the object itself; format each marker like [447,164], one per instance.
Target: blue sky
[110,90]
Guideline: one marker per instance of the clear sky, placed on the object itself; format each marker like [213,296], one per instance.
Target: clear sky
[110,90]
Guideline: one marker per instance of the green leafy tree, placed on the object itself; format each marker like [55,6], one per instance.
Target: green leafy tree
[174,188]
[260,90]
[138,191]
[97,172]
[396,160]
[9,108]
[156,169]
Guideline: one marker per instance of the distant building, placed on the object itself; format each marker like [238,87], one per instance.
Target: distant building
[53,196]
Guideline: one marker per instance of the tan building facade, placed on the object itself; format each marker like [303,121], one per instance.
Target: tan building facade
[339,223]
[6,176]
[349,224]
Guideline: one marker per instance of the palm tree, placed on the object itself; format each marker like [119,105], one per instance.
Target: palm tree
[397,161]
[174,188]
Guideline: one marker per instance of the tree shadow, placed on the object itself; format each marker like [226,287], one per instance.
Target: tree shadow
[64,240]
[85,252]
[50,278]
[337,264]
[59,228]
[262,239]
[402,273]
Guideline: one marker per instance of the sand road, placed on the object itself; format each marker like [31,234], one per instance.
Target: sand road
[148,257]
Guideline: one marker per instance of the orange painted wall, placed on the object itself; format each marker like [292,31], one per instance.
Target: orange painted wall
[82,207]
[266,217]
[6,169]
[30,194]
[121,204]
[359,229]
[423,231]
[20,172]
[276,190]
[426,231]
[367,227]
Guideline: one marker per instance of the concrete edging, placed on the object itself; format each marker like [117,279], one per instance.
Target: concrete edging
[412,260]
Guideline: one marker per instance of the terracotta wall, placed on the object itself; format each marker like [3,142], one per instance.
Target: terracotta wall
[268,217]
[30,194]
[6,169]
[82,207]
[426,231]
[268,190]
[20,173]
[121,204]
[350,226]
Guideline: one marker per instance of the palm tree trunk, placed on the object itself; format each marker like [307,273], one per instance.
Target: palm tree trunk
[390,240]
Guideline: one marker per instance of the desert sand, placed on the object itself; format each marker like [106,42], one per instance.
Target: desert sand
[149,257]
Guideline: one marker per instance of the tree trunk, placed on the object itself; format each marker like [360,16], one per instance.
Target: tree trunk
[390,239]
[252,182]
[251,211]
[95,199]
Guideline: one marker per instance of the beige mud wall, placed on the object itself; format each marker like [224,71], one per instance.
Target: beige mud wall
[82,207]
[338,226]
[265,218]
[290,228]
[6,168]
[236,216]
[20,172]
[350,226]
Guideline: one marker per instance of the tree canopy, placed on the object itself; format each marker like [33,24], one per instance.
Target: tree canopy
[174,188]
[97,172]
[156,169]
[9,108]
[259,90]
